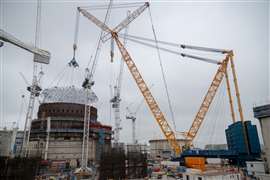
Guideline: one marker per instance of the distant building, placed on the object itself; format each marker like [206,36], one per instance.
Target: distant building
[10,142]
[160,148]
[193,174]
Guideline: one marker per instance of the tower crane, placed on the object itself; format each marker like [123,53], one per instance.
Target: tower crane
[117,98]
[34,90]
[132,115]
[40,56]
[87,85]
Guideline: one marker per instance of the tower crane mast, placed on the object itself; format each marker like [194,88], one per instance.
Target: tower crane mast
[132,115]
[87,84]
[40,56]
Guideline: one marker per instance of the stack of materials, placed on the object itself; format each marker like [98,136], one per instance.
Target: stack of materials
[112,164]
[136,161]
[195,162]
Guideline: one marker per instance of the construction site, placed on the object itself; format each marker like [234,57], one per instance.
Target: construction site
[103,96]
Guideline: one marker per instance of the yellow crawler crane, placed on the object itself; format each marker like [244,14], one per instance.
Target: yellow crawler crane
[152,104]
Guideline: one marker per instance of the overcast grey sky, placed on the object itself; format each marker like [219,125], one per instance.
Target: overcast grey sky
[240,26]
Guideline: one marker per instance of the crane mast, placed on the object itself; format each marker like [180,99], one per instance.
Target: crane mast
[34,89]
[40,56]
[132,117]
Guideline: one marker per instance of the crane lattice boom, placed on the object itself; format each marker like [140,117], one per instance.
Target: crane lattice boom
[160,118]
[127,20]
[207,100]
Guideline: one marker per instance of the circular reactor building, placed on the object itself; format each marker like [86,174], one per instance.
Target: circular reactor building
[57,132]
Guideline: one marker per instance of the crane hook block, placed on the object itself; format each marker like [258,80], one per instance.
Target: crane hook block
[73,63]
[74,47]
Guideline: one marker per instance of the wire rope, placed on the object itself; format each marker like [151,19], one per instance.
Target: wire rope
[162,70]
[218,112]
